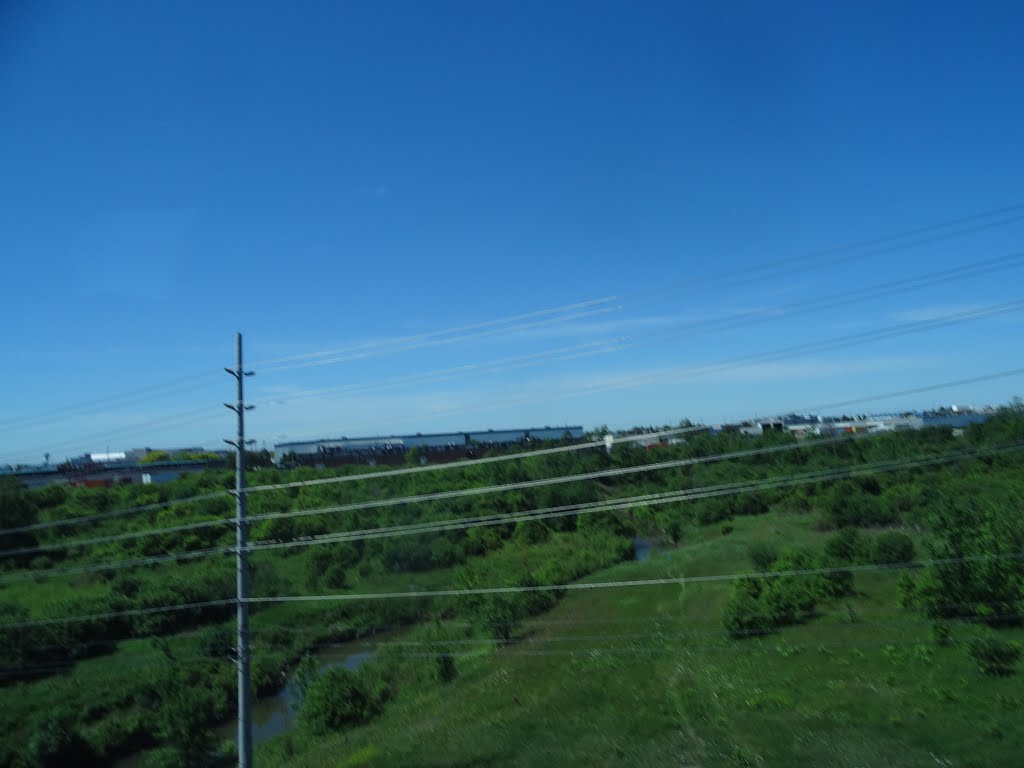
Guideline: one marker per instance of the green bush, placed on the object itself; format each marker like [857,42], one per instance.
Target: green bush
[846,547]
[763,555]
[941,632]
[849,505]
[56,742]
[743,614]
[787,599]
[837,584]
[531,532]
[335,577]
[336,700]
[217,642]
[446,671]
[893,547]
[994,656]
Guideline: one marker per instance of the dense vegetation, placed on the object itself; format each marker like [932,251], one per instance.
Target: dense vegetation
[110,686]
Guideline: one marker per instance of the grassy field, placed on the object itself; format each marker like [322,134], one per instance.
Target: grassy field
[645,676]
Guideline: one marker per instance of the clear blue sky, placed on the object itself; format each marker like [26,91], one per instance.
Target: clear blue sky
[325,174]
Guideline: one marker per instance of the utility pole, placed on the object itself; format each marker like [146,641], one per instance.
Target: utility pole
[242,576]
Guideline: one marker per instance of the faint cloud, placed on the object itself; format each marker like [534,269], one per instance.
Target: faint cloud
[934,312]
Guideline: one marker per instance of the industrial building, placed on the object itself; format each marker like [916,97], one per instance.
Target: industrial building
[435,447]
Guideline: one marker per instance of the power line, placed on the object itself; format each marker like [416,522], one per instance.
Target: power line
[614,505]
[119,614]
[839,342]
[566,587]
[825,345]
[628,583]
[143,394]
[843,298]
[438,496]
[733,320]
[580,305]
[560,479]
[365,632]
[137,395]
[875,247]
[512,648]
[147,391]
[954,273]
[729,279]
[49,669]
[435,496]
[662,632]
[609,505]
[663,626]
[452,340]
[109,514]
[710,368]
[516,362]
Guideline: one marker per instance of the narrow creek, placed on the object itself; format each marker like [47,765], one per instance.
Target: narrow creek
[644,549]
[276,714]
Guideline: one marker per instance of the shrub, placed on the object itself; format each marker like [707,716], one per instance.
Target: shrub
[907,585]
[338,699]
[335,577]
[713,511]
[837,583]
[446,671]
[306,674]
[531,532]
[941,632]
[727,528]
[994,656]
[788,598]
[56,742]
[743,613]
[763,555]
[217,642]
[893,547]
[849,505]
[846,547]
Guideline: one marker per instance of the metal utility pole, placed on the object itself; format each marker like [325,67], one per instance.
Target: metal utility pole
[242,578]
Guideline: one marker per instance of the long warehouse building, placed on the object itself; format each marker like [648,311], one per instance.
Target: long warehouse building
[438,446]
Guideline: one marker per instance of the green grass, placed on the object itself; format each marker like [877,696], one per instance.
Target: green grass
[859,685]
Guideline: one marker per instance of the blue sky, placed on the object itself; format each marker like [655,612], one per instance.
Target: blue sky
[336,174]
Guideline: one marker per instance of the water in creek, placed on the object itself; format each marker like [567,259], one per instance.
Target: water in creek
[644,549]
[274,715]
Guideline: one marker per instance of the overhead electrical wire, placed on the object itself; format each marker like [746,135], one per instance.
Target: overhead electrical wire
[607,505]
[433,334]
[1015,210]
[433,496]
[148,390]
[825,345]
[174,384]
[513,649]
[85,519]
[447,341]
[676,375]
[661,626]
[714,323]
[578,586]
[838,254]
[613,505]
[521,589]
